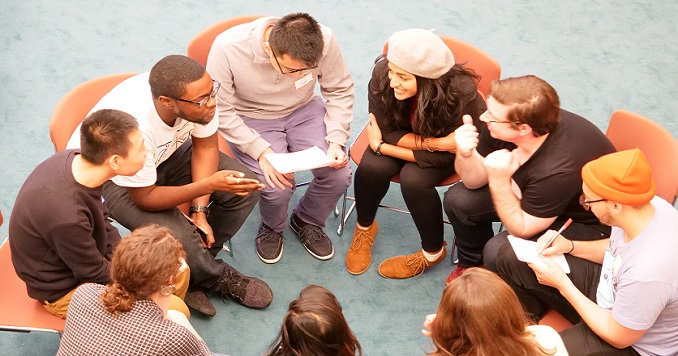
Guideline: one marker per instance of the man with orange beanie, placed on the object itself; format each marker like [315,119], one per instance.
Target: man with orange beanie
[622,291]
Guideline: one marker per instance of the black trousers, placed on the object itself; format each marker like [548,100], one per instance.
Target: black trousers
[418,186]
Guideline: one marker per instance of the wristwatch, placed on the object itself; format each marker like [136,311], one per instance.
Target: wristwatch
[199,209]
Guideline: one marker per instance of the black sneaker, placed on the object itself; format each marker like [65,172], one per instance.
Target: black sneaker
[248,291]
[197,299]
[314,239]
[269,244]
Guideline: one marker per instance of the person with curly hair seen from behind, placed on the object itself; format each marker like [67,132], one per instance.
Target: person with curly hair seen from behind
[417,97]
[131,315]
[315,325]
[479,314]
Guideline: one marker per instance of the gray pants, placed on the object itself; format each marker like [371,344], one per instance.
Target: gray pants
[228,213]
[302,129]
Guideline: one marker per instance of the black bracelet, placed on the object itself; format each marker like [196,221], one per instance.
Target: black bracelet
[572,249]
[378,150]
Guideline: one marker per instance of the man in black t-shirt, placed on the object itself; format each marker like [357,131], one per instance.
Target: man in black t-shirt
[522,169]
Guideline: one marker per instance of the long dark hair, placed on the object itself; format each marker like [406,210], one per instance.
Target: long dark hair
[315,325]
[440,102]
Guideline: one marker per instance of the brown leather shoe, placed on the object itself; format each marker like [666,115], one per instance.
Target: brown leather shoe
[408,266]
[359,255]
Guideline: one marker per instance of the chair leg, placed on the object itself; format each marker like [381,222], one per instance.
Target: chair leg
[344,213]
[228,247]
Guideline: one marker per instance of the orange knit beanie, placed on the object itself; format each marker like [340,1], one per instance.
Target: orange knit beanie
[624,177]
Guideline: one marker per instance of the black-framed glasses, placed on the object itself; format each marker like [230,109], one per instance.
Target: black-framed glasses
[201,104]
[291,71]
[587,203]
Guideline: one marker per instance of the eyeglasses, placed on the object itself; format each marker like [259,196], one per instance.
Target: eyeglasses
[494,120]
[291,71]
[587,203]
[201,104]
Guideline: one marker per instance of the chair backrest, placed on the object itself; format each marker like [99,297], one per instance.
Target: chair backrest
[200,45]
[628,130]
[474,58]
[76,104]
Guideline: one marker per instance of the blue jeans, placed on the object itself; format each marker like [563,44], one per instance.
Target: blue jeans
[227,214]
[302,129]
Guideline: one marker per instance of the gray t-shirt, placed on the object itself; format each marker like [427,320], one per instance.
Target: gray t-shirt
[639,285]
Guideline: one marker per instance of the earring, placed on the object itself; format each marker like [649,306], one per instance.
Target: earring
[168,290]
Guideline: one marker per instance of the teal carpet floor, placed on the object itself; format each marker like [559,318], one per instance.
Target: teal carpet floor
[599,55]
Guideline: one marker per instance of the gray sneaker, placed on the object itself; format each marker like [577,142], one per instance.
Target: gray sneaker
[248,291]
[314,239]
[269,244]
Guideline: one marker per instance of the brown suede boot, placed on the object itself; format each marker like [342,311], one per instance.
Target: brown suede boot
[408,266]
[359,255]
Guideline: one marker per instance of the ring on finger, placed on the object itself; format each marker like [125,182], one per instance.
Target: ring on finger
[237,181]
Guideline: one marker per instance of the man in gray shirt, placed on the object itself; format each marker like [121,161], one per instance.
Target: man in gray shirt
[267,70]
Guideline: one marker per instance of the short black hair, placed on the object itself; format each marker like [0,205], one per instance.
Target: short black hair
[298,36]
[105,133]
[171,74]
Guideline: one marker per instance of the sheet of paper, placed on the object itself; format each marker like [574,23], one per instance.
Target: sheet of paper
[304,160]
[526,251]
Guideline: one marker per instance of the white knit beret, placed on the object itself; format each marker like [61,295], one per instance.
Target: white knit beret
[420,52]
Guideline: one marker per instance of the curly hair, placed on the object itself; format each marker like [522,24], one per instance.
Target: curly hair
[480,315]
[142,263]
[315,325]
[439,102]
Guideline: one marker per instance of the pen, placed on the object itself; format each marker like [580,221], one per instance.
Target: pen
[565,225]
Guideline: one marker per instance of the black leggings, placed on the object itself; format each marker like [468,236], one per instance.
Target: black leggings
[418,186]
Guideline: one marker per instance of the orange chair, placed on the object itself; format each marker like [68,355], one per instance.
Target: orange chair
[76,104]
[472,57]
[628,130]
[18,311]
[200,45]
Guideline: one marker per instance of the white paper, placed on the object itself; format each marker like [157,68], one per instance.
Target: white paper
[526,251]
[304,160]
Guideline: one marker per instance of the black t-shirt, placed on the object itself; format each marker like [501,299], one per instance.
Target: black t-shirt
[550,181]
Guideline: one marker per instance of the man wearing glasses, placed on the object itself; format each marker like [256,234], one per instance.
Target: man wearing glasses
[622,292]
[268,69]
[522,169]
[175,106]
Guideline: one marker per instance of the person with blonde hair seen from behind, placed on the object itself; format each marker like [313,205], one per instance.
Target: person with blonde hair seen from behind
[132,315]
[479,314]
[622,292]
[417,97]
[315,325]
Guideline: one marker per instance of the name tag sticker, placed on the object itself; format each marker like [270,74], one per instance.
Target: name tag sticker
[303,81]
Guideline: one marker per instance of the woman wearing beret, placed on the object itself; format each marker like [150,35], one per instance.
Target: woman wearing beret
[417,97]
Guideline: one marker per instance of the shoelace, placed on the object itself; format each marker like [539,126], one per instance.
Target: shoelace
[361,241]
[228,280]
[314,235]
[417,262]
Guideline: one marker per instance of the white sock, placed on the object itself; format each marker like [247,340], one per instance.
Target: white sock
[432,257]
[362,227]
